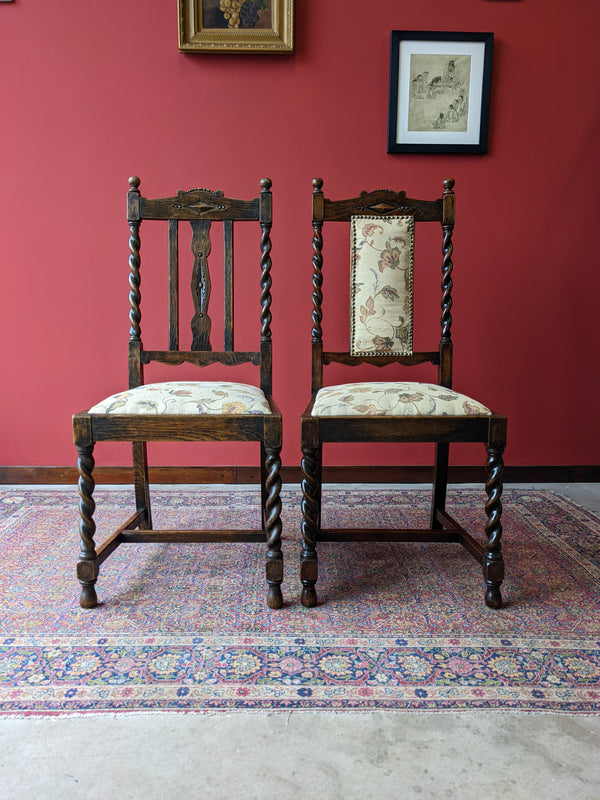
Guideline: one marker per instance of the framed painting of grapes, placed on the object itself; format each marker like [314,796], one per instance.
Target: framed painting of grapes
[236,26]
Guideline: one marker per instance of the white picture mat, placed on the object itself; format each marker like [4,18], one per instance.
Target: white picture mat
[408,48]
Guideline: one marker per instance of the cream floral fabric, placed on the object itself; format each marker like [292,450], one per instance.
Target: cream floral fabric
[186,397]
[394,399]
[381,285]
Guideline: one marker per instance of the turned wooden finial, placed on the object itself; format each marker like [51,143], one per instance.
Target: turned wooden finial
[134,184]
[265,184]
[317,184]
[448,184]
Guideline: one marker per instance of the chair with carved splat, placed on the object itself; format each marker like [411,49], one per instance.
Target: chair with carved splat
[382,227]
[175,411]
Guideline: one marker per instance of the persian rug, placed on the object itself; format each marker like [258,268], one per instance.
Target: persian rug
[402,627]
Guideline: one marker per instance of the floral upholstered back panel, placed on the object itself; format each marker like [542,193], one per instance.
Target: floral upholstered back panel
[381,285]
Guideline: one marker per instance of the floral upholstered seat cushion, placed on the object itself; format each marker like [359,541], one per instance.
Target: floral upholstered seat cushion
[394,399]
[186,397]
[381,285]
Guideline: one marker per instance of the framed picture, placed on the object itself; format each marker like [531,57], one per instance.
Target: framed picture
[236,26]
[439,92]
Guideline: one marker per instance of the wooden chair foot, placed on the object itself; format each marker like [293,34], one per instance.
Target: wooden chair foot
[308,598]
[274,597]
[493,597]
[88,597]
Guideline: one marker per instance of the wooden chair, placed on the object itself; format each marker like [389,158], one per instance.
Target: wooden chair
[382,230]
[189,410]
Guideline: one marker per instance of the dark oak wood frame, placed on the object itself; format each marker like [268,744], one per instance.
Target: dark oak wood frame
[200,207]
[315,431]
[414,146]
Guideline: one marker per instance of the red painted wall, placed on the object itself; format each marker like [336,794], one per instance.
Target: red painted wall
[94,92]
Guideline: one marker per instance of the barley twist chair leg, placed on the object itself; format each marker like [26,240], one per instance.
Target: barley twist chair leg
[493,563]
[309,569]
[87,566]
[274,565]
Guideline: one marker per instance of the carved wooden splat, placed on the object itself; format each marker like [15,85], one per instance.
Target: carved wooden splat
[200,284]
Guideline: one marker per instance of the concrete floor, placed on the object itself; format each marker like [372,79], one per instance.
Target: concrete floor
[509,755]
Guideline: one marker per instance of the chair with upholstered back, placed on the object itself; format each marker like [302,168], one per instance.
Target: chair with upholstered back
[383,227]
[191,410]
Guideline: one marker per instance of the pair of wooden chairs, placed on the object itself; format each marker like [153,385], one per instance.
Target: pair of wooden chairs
[382,229]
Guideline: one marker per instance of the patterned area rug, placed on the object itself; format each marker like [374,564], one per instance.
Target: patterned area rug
[400,626]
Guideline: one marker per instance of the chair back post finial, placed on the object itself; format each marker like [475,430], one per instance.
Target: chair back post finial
[448,209]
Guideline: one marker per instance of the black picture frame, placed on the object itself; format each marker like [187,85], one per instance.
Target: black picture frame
[439,99]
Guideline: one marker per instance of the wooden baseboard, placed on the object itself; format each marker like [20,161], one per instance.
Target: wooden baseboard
[356,474]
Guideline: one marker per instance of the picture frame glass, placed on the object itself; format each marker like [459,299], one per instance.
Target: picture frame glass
[448,108]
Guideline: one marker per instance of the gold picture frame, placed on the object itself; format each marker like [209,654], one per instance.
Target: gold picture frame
[236,26]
